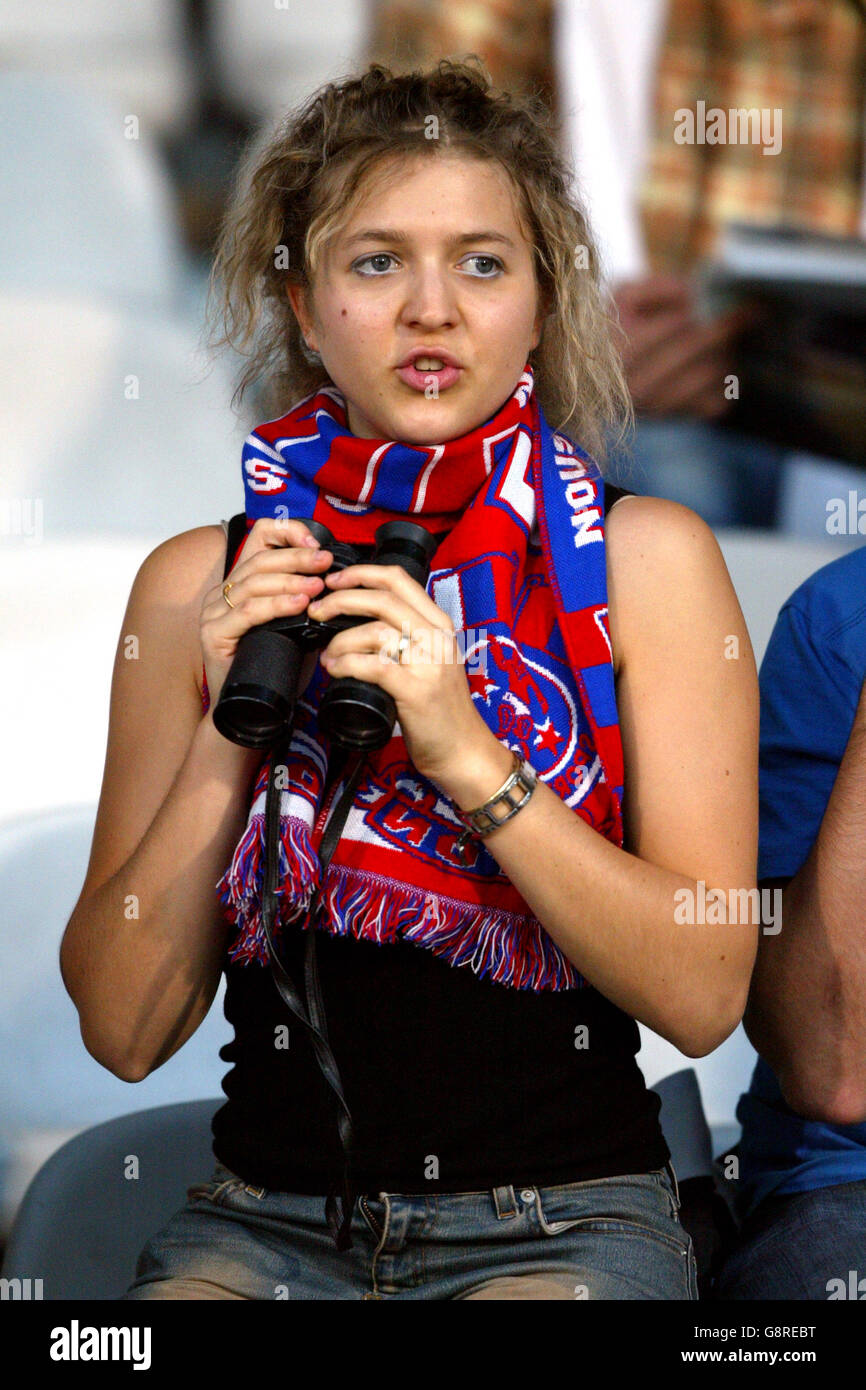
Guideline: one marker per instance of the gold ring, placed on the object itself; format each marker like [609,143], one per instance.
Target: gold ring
[226,588]
[397,654]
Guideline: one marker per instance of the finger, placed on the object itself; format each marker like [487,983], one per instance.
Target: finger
[276,532]
[281,530]
[292,557]
[260,598]
[664,370]
[233,620]
[702,384]
[390,579]
[430,646]
[374,603]
[379,638]
[368,666]
[267,554]
[265,585]
[646,337]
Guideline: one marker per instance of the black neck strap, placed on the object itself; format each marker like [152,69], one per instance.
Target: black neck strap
[311,1010]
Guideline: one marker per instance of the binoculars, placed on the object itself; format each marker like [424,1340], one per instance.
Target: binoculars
[257,701]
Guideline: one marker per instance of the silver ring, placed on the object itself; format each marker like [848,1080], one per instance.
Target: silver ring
[397,653]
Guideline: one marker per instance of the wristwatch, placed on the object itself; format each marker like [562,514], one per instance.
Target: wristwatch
[513,794]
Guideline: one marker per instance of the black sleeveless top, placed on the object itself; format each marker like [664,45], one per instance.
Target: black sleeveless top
[454,1083]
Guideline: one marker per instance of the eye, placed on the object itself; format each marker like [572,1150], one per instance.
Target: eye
[385,256]
[374,256]
[492,261]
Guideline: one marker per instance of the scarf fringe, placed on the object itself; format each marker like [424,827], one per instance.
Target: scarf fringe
[511,950]
[242,885]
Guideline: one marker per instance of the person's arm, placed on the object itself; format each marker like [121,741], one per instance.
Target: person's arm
[142,950]
[806,1013]
[688,708]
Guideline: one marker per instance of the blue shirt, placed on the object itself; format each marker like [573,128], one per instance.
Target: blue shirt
[810,679]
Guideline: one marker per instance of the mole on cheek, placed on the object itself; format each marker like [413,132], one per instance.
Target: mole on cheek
[343,313]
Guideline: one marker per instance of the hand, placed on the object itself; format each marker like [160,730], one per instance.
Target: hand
[440,725]
[674,363]
[275,576]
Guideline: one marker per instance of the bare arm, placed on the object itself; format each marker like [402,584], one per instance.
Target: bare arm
[141,953]
[807,1006]
[689,718]
[143,949]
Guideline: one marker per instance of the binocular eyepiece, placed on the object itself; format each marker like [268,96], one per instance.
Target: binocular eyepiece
[257,701]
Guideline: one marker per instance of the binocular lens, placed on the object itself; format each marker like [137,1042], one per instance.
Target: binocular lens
[357,714]
[257,699]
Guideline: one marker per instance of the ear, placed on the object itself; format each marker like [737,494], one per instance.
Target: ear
[298,299]
[543,311]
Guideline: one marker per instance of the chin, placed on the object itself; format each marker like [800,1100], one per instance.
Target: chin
[416,419]
[433,421]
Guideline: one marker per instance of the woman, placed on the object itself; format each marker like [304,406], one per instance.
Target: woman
[431,294]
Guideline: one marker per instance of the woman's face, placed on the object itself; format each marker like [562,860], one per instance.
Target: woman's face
[433,258]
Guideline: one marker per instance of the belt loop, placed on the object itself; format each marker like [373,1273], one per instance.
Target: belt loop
[505,1202]
[672,1171]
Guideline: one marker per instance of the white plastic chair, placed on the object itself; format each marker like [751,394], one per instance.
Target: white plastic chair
[85,209]
[271,56]
[815,496]
[134,54]
[61,616]
[50,1087]
[113,418]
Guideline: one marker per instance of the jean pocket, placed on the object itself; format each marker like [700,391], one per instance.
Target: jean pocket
[222,1187]
[637,1205]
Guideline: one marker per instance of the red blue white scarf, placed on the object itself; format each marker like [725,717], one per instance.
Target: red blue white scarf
[522,575]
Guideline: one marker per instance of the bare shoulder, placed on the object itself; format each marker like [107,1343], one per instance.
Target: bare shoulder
[177,575]
[652,529]
[663,564]
[185,561]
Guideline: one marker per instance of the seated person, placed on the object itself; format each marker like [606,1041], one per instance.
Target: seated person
[620,77]
[803,1150]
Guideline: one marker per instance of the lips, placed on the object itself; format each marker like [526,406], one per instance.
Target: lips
[430,370]
[446,358]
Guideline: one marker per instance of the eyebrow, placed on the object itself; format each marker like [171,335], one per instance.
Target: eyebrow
[400,238]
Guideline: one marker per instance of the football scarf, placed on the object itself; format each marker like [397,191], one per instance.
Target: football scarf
[521,573]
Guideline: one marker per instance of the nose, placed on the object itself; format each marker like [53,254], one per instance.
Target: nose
[430,300]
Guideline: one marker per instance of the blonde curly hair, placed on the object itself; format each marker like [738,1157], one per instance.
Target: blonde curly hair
[292,195]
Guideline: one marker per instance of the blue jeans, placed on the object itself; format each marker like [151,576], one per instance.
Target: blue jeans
[609,1238]
[796,1246]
